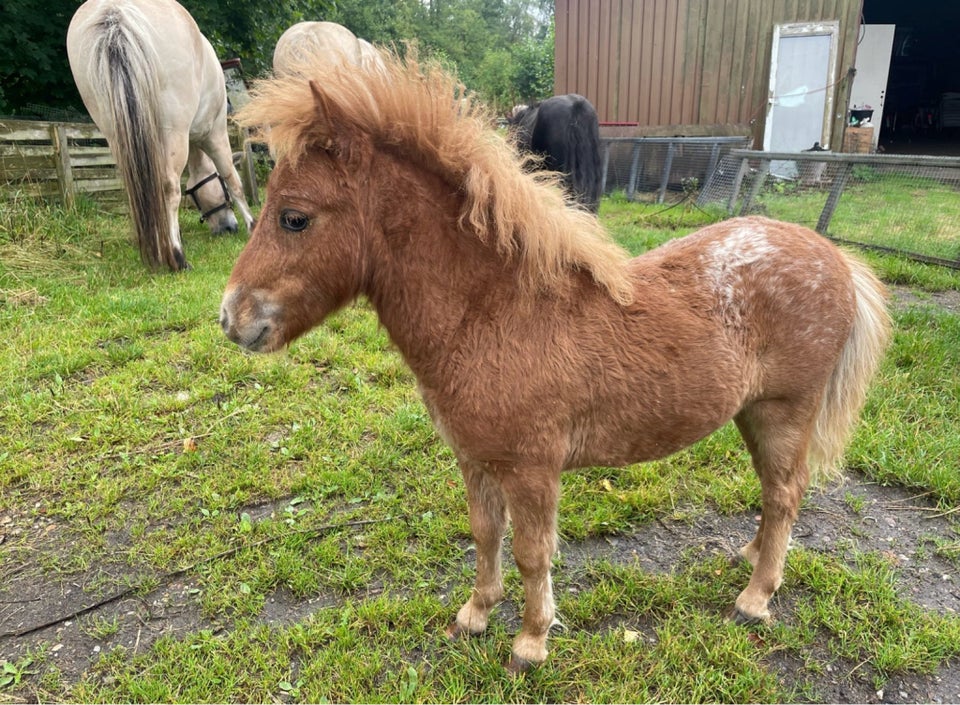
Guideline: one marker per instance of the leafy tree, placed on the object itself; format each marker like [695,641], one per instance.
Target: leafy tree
[37,71]
[249,29]
[503,49]
[495,79]
[519,56]
[533,80]
[380,22]
[33,56]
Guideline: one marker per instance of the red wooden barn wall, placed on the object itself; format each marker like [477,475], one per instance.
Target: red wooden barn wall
[686,66]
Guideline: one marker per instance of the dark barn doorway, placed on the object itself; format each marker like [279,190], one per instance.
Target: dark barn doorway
[921,112]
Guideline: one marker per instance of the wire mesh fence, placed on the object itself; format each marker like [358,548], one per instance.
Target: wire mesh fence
[663,169]
[904,204]
[51,114]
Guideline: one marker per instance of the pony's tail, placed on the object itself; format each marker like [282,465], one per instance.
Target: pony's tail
[129,87]
[584,165]
[846,390]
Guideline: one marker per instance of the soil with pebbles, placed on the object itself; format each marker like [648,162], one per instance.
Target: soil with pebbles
[852,518]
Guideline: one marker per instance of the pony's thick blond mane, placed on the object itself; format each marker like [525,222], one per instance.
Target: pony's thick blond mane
[420,109]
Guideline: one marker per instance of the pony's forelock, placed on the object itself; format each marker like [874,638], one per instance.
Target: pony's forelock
[419,108]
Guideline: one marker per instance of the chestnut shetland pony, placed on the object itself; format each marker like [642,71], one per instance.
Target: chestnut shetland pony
[538,345]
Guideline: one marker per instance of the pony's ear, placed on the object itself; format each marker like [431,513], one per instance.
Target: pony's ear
[335,126]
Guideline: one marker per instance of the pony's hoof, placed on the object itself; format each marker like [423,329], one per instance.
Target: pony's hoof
[516,665]
[739,617]
[455,632]
[180,261]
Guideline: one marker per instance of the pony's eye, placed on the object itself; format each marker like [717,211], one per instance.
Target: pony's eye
[292,220]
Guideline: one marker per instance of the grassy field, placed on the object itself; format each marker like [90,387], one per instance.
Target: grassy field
[315,525]
[892,209]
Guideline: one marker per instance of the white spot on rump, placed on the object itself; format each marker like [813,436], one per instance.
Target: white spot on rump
[725,260]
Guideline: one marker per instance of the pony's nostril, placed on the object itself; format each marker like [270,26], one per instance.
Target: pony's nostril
[260,340]
[249,329]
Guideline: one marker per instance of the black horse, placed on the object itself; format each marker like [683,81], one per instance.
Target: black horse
[564,130]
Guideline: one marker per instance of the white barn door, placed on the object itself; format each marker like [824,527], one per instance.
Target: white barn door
[873,68]
[802,77]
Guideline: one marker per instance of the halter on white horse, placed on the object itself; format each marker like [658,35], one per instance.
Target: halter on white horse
[154,86]
[192,192]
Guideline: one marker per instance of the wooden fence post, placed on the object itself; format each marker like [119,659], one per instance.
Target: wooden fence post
[737,183]
[758,182]
[605,167]
[634,170]
[839,183]
[248,172]
[667,168]
[61,153]
[711,171]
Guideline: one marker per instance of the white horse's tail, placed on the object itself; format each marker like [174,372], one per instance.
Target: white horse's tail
[847,387]
[129,86]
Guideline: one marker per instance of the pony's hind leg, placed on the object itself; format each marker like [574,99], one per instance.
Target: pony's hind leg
[488,523]
[777,434]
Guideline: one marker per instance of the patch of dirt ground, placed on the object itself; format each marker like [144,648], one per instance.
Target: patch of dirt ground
[948,300]
[854,517]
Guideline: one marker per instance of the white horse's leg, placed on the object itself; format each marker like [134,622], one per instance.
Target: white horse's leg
[176,147]
[217,146]
[488,523]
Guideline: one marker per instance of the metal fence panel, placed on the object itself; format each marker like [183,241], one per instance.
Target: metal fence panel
[905,204]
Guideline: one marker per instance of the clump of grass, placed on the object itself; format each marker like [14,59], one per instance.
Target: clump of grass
[39,237]
[863,618]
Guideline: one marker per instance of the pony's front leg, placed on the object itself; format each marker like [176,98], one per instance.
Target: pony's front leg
[488,523]
[532,497]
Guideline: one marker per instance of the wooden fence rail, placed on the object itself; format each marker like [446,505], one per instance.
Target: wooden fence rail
[58,160]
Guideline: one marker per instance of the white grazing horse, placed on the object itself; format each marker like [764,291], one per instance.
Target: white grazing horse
[154,86]
[306,41]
